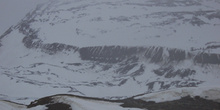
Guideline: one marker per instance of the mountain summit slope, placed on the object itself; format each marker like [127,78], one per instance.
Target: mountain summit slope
[111,49]
[145,22]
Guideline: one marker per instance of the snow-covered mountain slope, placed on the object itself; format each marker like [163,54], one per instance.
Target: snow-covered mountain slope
[111,49]
[73,102]
[145,22]
[210,93]
[65,102]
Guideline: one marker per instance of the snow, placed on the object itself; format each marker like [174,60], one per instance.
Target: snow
[10,106]
[28,74]
[24,93]
[76,104]
[31,83]
[82,28]
[4,105]
[211,93]
[12,11]
[87,104]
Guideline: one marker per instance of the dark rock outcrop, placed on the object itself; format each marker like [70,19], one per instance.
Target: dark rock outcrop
[185,103]
[115,54]
[206,58]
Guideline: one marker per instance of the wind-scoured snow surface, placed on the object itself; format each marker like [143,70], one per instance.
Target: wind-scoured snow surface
[111,49]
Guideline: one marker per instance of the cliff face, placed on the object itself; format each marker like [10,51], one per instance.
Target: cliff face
[206,58]
[114,54]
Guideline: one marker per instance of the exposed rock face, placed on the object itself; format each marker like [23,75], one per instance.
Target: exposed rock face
[47,48]
[206,58]
[185,103]
[114,54]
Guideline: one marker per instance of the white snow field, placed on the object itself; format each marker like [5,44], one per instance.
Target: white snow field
[153,50]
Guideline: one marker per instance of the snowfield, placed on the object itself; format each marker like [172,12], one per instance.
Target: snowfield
[76,104]
[211,93]
[148,50]
[70,102]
